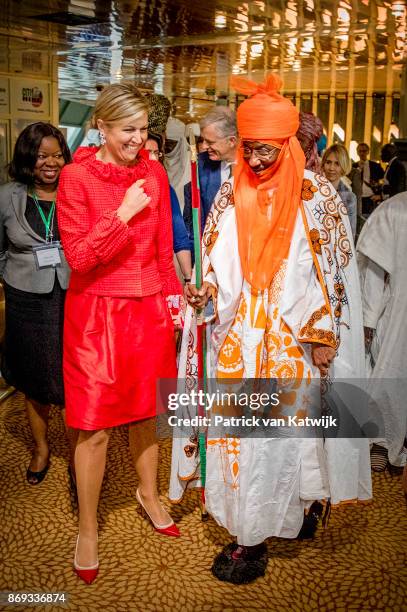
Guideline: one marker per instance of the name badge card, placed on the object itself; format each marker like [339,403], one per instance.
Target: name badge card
[48,255]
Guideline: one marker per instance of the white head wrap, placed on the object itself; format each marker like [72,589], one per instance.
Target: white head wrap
[177,163]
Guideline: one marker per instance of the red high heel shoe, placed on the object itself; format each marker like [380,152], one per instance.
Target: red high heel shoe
[88,574]
[169,530]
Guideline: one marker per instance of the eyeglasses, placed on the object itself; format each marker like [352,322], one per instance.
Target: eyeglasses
[262,153]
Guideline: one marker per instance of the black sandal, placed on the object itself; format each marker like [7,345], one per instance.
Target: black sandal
[240,564]
[311,520]
[36,476]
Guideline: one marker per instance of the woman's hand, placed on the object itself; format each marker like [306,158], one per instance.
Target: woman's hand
[135,200]
[198,298]
[322,357]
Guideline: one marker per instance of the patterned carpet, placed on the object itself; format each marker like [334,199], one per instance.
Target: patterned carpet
[357,563]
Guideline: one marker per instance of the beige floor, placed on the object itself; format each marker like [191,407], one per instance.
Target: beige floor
[357,563]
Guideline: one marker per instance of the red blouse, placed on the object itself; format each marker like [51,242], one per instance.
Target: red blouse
[108,256]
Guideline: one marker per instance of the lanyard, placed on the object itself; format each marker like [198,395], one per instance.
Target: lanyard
[47,221]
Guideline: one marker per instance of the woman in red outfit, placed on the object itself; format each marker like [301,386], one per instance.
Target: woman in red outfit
[114,217]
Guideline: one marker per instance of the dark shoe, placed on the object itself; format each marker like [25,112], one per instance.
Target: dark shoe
[240,564]
[34,478]
[378,458]
[311,521]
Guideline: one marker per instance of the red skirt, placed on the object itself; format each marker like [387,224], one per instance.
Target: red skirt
[115,350]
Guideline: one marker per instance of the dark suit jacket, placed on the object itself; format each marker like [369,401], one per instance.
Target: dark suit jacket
[376,173]
[396,175]
[17,264]
[209,184]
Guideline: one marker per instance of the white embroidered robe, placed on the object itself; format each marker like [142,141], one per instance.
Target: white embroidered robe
[382,254]
[259,487]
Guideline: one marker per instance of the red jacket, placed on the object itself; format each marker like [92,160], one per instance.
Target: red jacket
[108,256]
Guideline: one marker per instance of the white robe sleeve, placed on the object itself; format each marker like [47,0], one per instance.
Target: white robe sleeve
[372,285]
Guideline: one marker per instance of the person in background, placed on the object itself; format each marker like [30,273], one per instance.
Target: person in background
[321,144]
[115,222]
[395,176]
[336,165]
[182,244]
[309,132]
[220,144]
[382,252]
[216,161]
[177,160]
[365,176]
[34,288]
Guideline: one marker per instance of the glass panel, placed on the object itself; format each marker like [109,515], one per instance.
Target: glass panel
[306,103]
[377,126]
[395,110]
[339,127]
[358,124]
[394,130]
[358,120]
[323,110]
[290,97]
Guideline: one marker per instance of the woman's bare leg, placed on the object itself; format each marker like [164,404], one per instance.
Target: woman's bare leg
[38,419]
[144,451]
[90,461]
[72,437]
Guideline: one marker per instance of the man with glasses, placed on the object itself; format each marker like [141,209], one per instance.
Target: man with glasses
[219,147]
[279,268]
[365,177]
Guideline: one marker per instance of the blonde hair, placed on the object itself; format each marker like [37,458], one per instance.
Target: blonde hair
[342,156]
[117,102]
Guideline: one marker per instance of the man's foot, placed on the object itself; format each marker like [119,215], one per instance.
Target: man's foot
[240,564]
[311,521]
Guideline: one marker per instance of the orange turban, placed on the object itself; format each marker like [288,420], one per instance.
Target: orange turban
[267,205]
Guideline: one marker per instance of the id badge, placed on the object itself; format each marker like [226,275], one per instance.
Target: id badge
[47,255]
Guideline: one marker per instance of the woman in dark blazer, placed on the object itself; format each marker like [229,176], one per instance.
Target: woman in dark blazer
[35,276]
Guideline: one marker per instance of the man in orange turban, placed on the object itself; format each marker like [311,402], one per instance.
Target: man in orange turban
[280,270]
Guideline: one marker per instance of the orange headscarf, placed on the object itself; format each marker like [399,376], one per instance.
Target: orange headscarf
[267,205]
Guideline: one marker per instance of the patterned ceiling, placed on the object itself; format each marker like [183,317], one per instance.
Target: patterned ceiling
[187,48]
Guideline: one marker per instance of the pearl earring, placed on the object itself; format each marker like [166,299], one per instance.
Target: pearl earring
[102,138]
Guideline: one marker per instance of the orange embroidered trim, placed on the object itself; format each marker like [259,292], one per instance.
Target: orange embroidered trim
[315,240]
[340,292]
[308,190]
[315,258]
[212,238]
[318,335]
